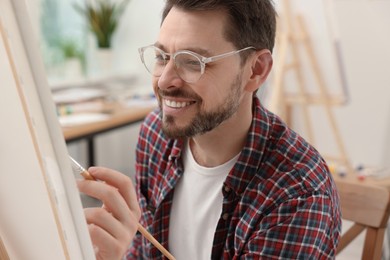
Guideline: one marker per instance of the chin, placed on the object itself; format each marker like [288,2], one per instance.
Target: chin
[173,133]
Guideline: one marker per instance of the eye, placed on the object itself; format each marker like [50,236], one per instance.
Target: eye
[160,58]
[192,62]
[188,62]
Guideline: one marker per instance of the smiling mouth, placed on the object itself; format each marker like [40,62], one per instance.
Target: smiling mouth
[177,104]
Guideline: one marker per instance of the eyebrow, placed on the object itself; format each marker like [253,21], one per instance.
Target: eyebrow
[200,51]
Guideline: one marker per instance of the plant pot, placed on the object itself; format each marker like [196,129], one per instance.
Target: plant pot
[73,68]
[104,61]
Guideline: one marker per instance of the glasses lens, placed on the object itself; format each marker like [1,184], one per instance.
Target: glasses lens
[188,67]
[154,60]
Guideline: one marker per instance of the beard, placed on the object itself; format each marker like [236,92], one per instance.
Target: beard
[203,121]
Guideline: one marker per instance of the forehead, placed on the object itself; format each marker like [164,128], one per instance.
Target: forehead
[194,29]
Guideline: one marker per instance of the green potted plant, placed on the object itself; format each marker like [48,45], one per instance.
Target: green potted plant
[69,49]
[102,18]
[73,57]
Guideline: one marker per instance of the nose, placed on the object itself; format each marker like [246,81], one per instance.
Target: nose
[169,77]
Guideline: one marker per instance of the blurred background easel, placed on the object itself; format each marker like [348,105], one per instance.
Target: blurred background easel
[292,34]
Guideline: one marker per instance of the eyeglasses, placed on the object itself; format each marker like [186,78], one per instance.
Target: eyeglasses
[189,65]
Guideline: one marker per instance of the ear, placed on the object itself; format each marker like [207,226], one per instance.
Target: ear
[261,66]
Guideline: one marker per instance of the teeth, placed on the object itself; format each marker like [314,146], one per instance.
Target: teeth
[175,104]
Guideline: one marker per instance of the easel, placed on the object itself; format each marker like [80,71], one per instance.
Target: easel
[292,36]
[3,251]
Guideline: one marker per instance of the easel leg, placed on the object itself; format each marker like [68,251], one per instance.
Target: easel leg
[325,95]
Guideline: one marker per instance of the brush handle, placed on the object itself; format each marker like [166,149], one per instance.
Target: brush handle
[152,240]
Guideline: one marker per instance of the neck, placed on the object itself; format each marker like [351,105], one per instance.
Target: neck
[225,141]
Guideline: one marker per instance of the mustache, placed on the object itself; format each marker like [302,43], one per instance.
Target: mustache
[178,93]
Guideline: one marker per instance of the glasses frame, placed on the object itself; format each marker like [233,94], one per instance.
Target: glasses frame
[202,60]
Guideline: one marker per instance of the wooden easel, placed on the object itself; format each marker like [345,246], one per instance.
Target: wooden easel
[3,251]
[291,37]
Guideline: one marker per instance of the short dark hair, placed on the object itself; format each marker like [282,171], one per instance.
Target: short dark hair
[250,22]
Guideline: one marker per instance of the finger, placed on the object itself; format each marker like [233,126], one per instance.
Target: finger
[109,195]
[122,182]
[104,244]
[105,220]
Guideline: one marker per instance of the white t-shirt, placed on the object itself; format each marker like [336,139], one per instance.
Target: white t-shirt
[196,208]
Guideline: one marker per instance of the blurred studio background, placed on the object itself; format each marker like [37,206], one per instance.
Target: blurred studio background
[331,78]
[330,81]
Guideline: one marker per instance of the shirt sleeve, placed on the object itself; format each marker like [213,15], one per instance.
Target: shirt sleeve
[136,250]
[299,228]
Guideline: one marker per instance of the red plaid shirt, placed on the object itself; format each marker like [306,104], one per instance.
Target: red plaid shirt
[280,202]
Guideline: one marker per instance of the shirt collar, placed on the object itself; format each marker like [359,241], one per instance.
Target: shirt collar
[251,157]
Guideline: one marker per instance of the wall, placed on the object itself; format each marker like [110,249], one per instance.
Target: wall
[139,27]
[365,122]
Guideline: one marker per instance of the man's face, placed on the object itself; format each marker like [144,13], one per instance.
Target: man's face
[196,108]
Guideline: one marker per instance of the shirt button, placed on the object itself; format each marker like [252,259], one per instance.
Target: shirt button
[227,189]
[225,216]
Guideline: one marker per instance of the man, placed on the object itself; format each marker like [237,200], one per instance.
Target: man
[218,176]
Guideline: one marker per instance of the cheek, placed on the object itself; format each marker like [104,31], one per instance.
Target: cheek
[216,85]
[212,94]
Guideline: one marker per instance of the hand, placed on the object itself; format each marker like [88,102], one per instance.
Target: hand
[112,227]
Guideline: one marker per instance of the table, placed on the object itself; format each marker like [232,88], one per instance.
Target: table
[353,178]
[369,180]
[120,116]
